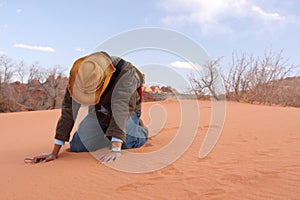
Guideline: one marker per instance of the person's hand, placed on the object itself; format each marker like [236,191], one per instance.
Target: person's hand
[110,156]
[45,157]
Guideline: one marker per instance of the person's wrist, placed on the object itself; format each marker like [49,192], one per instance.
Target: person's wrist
[116,149]
[53,155]
[116,146]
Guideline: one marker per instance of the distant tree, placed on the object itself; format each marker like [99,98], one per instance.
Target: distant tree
[238,82]
[6,74]
[253,79]
[54,86]
[34,72]
[207,82]
[6,69]
[21,71]
[271,69]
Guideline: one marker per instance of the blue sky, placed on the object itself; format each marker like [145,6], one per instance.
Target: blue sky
[58,32]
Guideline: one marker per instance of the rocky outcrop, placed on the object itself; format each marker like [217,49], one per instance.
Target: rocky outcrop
[157,93]
[169,89]
[33,95]
[156,89]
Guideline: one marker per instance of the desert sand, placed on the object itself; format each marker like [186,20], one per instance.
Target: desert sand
[256,157]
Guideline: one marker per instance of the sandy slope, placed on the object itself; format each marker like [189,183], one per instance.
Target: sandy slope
[257,157]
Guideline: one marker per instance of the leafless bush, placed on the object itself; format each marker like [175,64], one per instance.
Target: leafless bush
[6,74]
[6,69]
[54,86]
[250,79]
[238,81]
[47,85]
[257,79]
[21,71]
[207,82]
[38,89]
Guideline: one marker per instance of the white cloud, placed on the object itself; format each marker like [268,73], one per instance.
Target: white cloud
[18,10]
[267,15]
[5,26]
[38,48]
[203,11]
[184,65]
[3,53]
[79,49]
[217,16]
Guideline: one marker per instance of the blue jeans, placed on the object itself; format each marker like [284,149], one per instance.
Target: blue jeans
[90,134]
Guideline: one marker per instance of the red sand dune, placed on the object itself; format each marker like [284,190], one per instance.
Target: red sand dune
[256,157]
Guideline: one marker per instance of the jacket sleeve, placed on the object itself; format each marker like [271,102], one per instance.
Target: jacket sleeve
[123,103]
[68,116]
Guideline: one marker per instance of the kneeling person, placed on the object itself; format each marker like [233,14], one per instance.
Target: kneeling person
[110,87]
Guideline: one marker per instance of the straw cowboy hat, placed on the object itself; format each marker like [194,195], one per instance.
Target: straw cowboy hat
[89,77]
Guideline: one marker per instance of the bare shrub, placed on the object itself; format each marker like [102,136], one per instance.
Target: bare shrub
[238,81]
[38,88]
[207,82]
[257,79]
[54,87]
[6,74]
[48,85]
[250,79]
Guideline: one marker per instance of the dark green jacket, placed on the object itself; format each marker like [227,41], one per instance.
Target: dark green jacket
[119,102]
